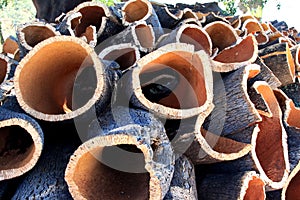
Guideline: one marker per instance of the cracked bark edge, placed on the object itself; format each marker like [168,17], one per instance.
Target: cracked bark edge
[126,55]
[183,184]
[141,10]
[40,108]
[221,41]
[291,189]
[133,127]
[197,62]
[291,115]
[30,34]
[235,56]
[233,110]
[190,34]
[279,59]
[20,163]
[242,185]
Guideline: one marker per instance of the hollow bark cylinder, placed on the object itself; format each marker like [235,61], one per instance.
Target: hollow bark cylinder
[167,18]
[141,10]
[190,34]
[173,82]
[56,89]
[10,45]
[21,143]
[4,68]
[243,185]
[126,55]
[30,34]
[127,158]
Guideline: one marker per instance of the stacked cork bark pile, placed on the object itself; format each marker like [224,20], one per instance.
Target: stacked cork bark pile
[150,101]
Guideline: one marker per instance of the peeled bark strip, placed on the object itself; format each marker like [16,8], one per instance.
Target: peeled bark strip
[265,75]
[190,34]
[10,45]
[166,17]
[132,154]
[270,152]
[222,34]
[126,55]
[183,184]
[243,185]
[174,82]
[141,10]
[138,34]
[292,186]
[279,59]
[233,110]
[231,58]
[49,89]
[20,145]
[31,34]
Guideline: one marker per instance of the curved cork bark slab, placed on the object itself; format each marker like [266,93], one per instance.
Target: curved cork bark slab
[52,95]
[291,115]
[126,55]
[252,26]
[244,185]
[291,189]
[183,184]
[279,59]
[164,79]
[233,110]
[135,158]
[21,144]
[211,148]
[222,34]
[167,18]
[30,34]
[293,92]
[231,58]
[10,45]
[141,10]
[270,152]
[190,34]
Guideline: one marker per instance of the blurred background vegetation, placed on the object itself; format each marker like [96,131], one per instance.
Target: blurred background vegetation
[15,12]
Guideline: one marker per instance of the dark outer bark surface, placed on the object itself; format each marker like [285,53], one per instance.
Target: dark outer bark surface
[183,184]
[293,92]
[165,19]
[265,75]
[220,186]
[274,195]
[281,47]
[46,180]
[293,140]
[233,111]
[258,100]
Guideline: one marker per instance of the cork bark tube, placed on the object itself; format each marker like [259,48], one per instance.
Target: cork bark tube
[130,161]
[21,143]
[45,87]
[185,74]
